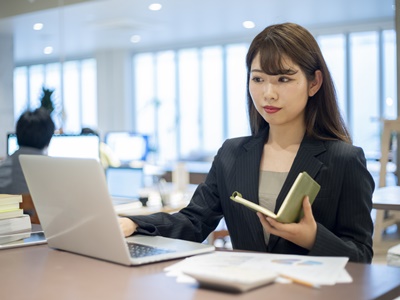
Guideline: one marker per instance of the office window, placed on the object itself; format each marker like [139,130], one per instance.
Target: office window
[236,106]
[185,99]
[166,103]
[74,97]
[72,112]
[20,91]
[208,86]
[36,80]
[88,93]
[364,78]
[333,48]
[212,95]
[146,103]
[389,99]
[188,101]
[52,77]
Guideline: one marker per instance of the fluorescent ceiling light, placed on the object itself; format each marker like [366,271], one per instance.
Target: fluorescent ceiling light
[248,24]
[155,6]
[38,26]
[48,50]
[135,38]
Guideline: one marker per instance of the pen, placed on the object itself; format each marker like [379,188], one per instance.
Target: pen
[300,281]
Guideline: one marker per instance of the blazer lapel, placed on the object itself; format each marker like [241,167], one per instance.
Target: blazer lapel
[248,166]
[305,160]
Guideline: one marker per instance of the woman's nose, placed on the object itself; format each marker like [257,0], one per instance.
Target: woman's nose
[269,92]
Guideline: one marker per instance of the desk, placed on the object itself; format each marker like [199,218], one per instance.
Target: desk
[175,201]
[39,272]
[387,198]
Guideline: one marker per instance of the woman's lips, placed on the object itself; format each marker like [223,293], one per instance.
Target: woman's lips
[271,109]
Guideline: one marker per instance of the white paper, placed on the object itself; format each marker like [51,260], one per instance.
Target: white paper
[317,270]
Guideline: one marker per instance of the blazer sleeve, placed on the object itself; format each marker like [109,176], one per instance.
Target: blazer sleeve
[346,230]
[194,222]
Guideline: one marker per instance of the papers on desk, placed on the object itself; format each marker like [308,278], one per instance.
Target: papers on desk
[310,270]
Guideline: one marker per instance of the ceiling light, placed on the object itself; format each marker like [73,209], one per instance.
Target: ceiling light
[248,24]
[38,26]
[135,38]
[48,50]
[389,101]
[155,6]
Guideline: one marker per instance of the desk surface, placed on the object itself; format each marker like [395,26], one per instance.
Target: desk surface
[387,198]
[39,272]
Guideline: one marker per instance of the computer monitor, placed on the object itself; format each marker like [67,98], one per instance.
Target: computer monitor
[125,182]
[128,146]
[12,143]
[65,145]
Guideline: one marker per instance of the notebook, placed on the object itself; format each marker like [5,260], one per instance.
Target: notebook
[77,214]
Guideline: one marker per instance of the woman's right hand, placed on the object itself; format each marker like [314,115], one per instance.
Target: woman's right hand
[127,225]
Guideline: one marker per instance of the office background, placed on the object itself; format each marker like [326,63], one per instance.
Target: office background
[182,80]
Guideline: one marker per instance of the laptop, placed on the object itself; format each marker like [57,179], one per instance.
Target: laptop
[77,214]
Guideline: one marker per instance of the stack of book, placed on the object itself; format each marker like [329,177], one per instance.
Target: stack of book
[14,224]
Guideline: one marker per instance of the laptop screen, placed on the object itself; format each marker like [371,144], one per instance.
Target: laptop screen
[65,145]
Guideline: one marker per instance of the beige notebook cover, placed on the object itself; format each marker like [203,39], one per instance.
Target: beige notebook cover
[291,210]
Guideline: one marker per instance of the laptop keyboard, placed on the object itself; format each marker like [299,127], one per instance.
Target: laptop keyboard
[138,250]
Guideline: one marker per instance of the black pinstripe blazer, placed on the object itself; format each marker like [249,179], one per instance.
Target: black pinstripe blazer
[342,209]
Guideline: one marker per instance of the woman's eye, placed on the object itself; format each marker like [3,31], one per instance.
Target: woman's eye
[284,79]
[256,79]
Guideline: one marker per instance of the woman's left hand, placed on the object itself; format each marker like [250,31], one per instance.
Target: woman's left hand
[302,233]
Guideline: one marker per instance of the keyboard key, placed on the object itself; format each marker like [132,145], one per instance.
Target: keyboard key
[138,250]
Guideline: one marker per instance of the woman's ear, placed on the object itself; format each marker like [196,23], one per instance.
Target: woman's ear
[315,84]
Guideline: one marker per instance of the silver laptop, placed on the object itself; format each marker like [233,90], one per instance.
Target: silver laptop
[77,214]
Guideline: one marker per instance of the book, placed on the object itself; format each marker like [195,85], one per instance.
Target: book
[11,214]
[15,225]
[292,207]
[8,207]
[6,199]
[4,239]
[232,278]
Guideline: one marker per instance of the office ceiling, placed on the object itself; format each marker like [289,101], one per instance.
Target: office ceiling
[76,28]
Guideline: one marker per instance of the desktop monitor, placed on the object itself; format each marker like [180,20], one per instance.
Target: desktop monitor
[128,146]
[125,182]
[65,145]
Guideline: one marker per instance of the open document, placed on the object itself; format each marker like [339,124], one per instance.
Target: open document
[240,267]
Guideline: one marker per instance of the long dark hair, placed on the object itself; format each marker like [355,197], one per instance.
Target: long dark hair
[322,116]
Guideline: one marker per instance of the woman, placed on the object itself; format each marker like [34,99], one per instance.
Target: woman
[296,126]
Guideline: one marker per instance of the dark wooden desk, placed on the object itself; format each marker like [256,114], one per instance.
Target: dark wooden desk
[39,272]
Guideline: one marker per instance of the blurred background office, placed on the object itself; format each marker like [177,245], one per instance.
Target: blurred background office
[174,70]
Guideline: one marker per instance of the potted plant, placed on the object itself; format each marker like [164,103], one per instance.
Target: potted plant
[46,100]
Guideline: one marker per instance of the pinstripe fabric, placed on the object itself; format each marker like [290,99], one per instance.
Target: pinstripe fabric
[341,209]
